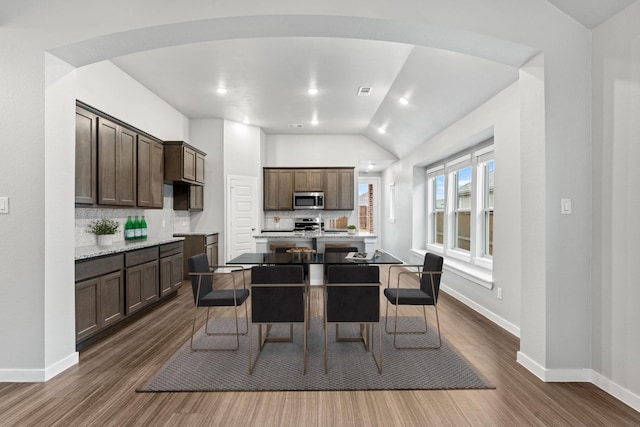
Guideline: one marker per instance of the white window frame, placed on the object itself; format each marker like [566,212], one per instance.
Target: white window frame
[476,256]
[432,175]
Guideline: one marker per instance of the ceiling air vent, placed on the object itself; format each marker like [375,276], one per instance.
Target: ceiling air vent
[296,125]
[364,91]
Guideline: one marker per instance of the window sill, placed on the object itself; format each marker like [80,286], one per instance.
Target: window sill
[474,273]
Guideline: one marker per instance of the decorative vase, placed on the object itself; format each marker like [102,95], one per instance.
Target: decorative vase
[104,239]
[351,231]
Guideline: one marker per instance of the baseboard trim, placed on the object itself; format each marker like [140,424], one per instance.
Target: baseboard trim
[503,323]
[38,375]
[625,396]
[581,375]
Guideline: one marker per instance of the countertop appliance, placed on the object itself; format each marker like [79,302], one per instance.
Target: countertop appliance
[307,200]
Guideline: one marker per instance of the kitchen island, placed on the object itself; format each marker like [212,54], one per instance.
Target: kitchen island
[365,242]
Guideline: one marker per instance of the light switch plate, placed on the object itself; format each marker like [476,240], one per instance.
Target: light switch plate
[4,205]
[565,206]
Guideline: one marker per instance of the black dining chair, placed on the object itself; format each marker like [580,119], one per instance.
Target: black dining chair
[429,275]
[352,295]
[279,295]
[204,279]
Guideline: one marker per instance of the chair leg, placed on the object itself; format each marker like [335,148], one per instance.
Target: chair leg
[386,324]
[237,332]
[396,333]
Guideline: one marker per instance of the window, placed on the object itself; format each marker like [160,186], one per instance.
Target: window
[488,190]
[460,203]
[463,209]
[438,210]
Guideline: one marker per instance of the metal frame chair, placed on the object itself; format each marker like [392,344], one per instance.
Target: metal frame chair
[352,295]
[426,295]
[280,294]
[204,295]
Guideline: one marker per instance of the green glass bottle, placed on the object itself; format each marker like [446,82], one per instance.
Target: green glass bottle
[128,229]
[143,228]
[137,231]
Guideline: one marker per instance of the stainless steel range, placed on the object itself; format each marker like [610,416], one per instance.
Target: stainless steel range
[307,224]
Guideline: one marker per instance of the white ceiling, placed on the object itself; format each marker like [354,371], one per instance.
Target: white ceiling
[267,81]
[591,13]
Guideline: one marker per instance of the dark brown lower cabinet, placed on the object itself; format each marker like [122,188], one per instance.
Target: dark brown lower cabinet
[142,278]
[99,299]
[111,288]
[171,260]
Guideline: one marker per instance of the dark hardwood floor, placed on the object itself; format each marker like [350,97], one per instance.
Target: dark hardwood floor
[100,390]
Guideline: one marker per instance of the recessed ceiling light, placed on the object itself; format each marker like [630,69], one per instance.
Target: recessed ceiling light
[314,122]
[312,91]
[246,120]
[382,130]
[403,101]
[221,90]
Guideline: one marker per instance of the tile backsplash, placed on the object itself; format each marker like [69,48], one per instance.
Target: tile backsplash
[160,222]
[287,218]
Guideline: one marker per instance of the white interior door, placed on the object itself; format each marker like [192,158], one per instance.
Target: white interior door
[242,215]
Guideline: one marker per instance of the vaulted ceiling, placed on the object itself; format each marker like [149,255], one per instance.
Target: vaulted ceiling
[266,82]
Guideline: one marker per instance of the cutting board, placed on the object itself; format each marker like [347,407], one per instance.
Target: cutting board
[342,222]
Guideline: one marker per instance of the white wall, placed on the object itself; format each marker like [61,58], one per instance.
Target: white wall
[500,116]
[616,202]
[59,308]
[106,87]
[322,150]
[208,136]
[242,156]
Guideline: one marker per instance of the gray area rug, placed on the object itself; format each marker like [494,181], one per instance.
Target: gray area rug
[280,365]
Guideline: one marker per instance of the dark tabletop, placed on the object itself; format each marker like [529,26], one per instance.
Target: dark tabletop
[328,258]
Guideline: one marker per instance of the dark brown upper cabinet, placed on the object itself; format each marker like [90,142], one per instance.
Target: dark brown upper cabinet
[308,180]
[117,149]
[116,164]
[183,163]
[278,189]
[150,172]
[86,156]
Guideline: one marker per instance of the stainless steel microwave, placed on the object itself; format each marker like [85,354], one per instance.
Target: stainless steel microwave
[308,200]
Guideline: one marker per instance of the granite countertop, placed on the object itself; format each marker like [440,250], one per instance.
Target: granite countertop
[85,252]
[193,233]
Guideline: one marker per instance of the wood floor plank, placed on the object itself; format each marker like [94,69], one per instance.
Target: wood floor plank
[100,390]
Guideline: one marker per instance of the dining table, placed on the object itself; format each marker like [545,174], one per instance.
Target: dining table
[315,262]
[262,258]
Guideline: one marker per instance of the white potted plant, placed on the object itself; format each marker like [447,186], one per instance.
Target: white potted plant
[104,229]
[351,229]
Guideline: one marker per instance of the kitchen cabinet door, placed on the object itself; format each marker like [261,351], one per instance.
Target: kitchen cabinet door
[199,168]
[150,172]
[87,308]
[171,259]
[270,197]
[331,181]
[86,156]
[188,164]
[196,197]
[142,285]
[308,180]
[345,189]
[316,178]
[116,164]
[285,189]
[99,303]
